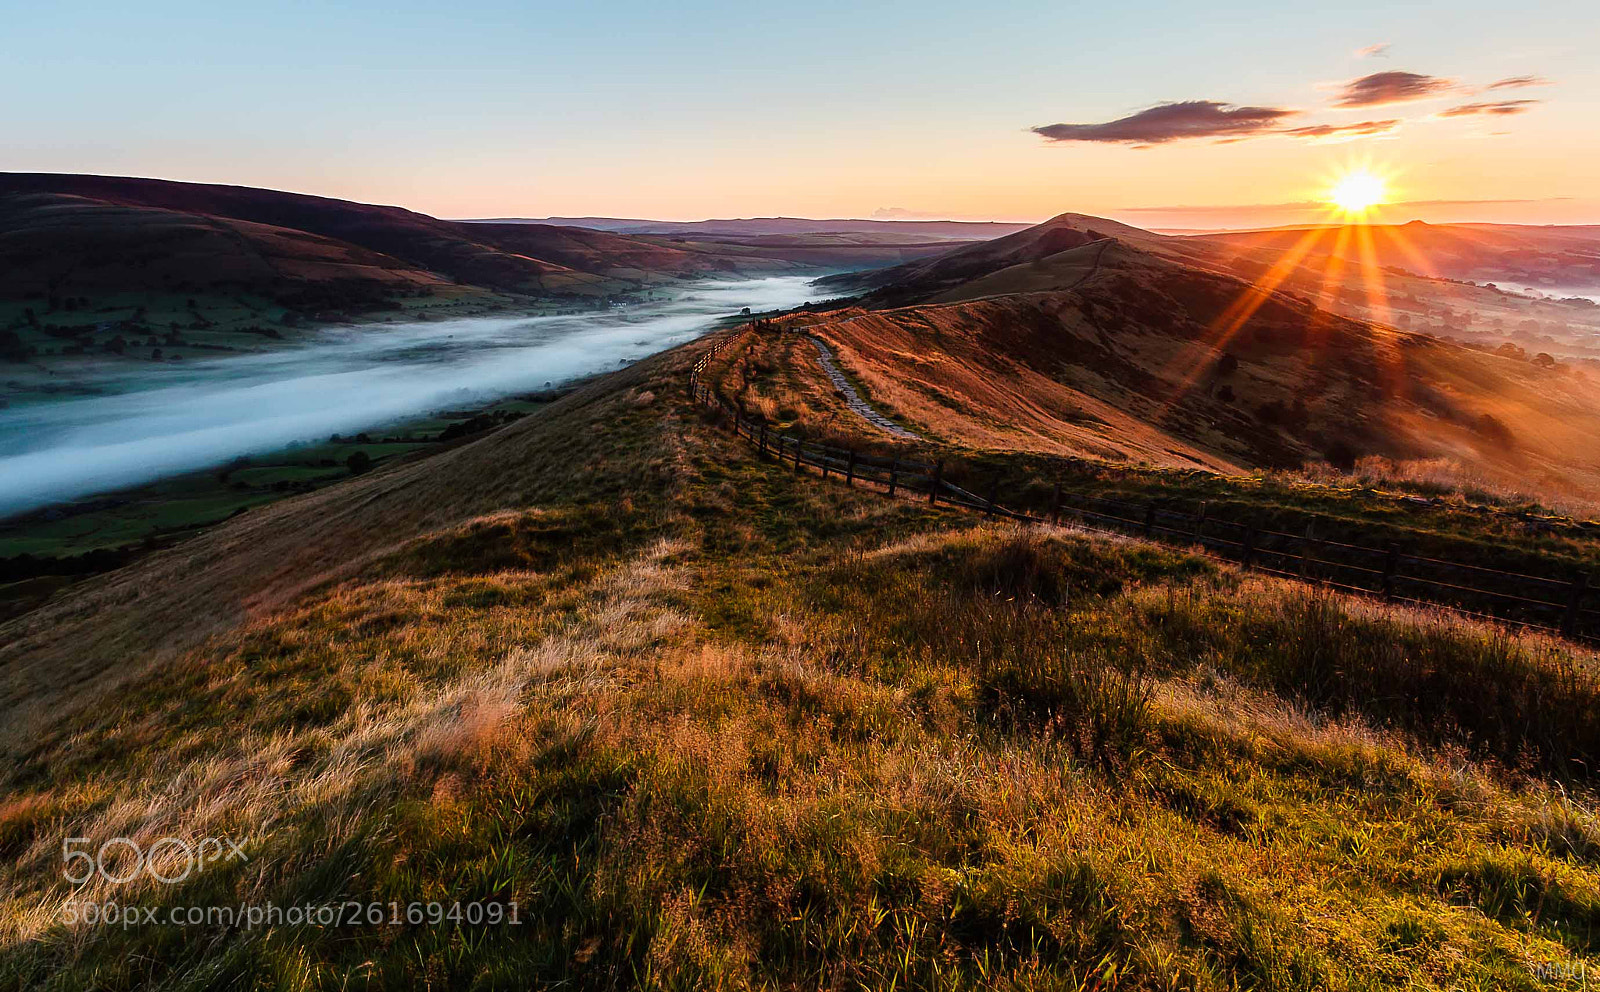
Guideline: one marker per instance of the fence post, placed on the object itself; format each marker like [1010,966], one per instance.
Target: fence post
[798,444]
[1248,554]
[1149,520]
[850,470]
[1391,566]
[1569,625]
[1305,553]
[1200,524]
[994,489]
[763,439]
[822,459]
[894,475]
[935,482]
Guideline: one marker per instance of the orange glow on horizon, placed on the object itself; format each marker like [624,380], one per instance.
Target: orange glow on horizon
[1355,198]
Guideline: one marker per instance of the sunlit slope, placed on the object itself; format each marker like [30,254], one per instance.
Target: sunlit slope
[1105,350]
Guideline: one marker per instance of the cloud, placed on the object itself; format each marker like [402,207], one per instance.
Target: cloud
[1517,82]
[1391,87]
[1500,108]
[1373,51]
[1172,122]
[1343,130]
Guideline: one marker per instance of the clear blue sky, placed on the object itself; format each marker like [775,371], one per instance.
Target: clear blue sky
[713,109]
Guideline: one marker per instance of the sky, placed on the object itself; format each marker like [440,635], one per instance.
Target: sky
[1166,115]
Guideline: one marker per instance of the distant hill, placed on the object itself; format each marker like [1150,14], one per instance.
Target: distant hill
[937,277]
[72,234]
[1089,338]
[945,230]
[69,236]
[1503,253]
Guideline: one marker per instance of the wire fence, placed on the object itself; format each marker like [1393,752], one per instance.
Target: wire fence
[1568,605]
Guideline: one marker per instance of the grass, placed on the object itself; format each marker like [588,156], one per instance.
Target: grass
[714,726]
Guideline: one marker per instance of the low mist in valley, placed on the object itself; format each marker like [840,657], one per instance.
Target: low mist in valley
[145,424]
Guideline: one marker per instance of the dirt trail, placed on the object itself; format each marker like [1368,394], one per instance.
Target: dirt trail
[853,399]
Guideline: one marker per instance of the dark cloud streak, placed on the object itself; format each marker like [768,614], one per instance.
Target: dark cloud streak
[1517,82]
[1391,87]
[1172,122]
[1349,130]
[1500,108]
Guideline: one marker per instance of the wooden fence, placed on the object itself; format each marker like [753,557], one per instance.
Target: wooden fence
[1566,606]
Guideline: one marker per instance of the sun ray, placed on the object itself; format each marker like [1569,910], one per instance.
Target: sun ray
[1230,321]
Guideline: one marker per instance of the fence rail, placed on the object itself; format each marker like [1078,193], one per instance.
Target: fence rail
[1568,606]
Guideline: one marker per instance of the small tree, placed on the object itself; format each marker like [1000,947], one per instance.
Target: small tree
[358,462]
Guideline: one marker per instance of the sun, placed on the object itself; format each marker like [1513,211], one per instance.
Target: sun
[1357,192]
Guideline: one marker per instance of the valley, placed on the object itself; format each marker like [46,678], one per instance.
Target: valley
[758,497]
[105,461]
[465,595]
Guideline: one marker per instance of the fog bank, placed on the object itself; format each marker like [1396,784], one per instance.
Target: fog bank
[163,420]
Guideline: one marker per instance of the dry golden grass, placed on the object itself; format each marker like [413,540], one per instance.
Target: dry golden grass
[123,624]
[836,801]
[1128,367]
[714,726]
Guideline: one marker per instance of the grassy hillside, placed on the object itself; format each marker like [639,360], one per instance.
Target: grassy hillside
[712,725]
[67,235]
[1408,277]
[58,220]
[1106,351]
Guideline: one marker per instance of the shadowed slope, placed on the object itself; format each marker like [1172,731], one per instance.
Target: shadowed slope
[115,626]
[53,223]
[53,240]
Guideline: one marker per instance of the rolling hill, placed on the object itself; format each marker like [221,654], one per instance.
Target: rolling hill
[645,709]
[1085,339]
[65,236]
[54,228]
[679,717]
[923,230]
